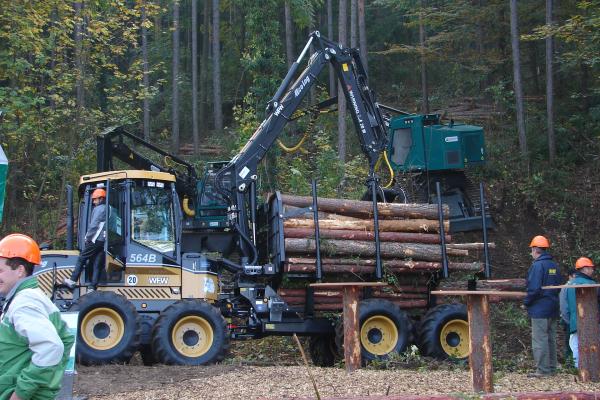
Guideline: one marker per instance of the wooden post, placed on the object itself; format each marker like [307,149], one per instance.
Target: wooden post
[588,334]
[480,356]
[351,329]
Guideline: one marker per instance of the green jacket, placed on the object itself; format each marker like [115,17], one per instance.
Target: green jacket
[34,344]
[580,279]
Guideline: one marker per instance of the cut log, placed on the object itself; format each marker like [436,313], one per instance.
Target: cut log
[394,265]
[469,246]
[338,306]
[405,225]
[322,215]
[401,237]
[510,285]
[426,252]
[338,293]
[364,209]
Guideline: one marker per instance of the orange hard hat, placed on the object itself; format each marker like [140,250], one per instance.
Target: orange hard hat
[540,241]
[583,262]
[98,193]
[22,246]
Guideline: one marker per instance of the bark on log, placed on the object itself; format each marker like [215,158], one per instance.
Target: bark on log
[401,237]
[338,306]
[492,284]
[405,225]
[301,293]
[364,209]
[426,252]
[322,215]
[333,265]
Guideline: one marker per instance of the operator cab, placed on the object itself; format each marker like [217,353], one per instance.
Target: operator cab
[142,227]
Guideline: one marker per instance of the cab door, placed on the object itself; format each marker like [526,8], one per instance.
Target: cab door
[115,246]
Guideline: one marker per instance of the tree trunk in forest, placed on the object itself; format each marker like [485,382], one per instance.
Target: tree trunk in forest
[353,24]
[329,36]
[424,88]
[385,225]
[518,87]
[362,34]
[356,248]
[218,113]
[79,85]
[195,134]
[146,76]
[365,208]
[550,85]
[342,35]
[175,102]
[204,68]
[289,50]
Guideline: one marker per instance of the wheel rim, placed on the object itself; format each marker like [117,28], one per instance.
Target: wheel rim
[454,338]
[102,328]
[379,335]
[192,336]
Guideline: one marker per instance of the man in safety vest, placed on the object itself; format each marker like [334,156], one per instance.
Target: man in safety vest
[543,307]
[34,340]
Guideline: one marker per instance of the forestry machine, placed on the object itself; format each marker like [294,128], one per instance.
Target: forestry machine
[190,263]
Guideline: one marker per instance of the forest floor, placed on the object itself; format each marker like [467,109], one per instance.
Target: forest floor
[272,368]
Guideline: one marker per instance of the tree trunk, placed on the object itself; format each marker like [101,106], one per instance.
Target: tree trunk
[370,269]
[514,35]
[427,238]
[329,36]
[355,248]
[175,103]
[364,209]
[195,134]
[408,225]
[353,24]
[80,89]
[289,50]
[424,88]
[550,85]
[342,34]
[204,68]
[218,114]
[146,76]
[419,266]
[362,34]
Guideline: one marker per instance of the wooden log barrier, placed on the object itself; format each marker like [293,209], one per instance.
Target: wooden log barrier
[402,237]
[480,355]
[588,329]
[405,225]
[306,265]
[351,322]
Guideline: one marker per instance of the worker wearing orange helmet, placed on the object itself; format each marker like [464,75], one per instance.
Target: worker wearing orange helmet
[94,243]
[34,341]
[543,306]
[584,270]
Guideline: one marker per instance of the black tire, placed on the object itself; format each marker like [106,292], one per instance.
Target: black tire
[109,329]
[444,332]
[385,330]
[147,355]
[190,332]
[323,351]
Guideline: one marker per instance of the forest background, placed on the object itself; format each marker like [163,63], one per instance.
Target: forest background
[194,76]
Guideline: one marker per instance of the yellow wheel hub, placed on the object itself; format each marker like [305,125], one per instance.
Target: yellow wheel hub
[192,336]
[379,335]
[102,328]
[454,338]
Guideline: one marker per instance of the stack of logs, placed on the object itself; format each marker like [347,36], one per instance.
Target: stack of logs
[409,235]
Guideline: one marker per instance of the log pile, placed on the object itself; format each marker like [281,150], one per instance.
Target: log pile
[409,242]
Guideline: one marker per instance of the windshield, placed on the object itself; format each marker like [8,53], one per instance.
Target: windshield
[152,218]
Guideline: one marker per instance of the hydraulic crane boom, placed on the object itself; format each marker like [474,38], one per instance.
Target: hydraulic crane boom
[240,187]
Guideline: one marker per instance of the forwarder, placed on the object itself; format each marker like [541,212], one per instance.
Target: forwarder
[191,263]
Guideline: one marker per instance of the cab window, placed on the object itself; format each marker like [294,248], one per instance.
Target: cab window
[152,222]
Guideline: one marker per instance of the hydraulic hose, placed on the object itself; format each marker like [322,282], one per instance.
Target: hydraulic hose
[387,163]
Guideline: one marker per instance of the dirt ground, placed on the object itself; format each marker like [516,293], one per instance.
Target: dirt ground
[253,382]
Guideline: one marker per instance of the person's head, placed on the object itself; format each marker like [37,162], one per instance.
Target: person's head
[585,266]
[98,196]
[539,244]
[572,272]
[19,254]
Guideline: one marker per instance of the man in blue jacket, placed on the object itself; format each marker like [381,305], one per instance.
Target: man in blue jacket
[543,307]
[585,269]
